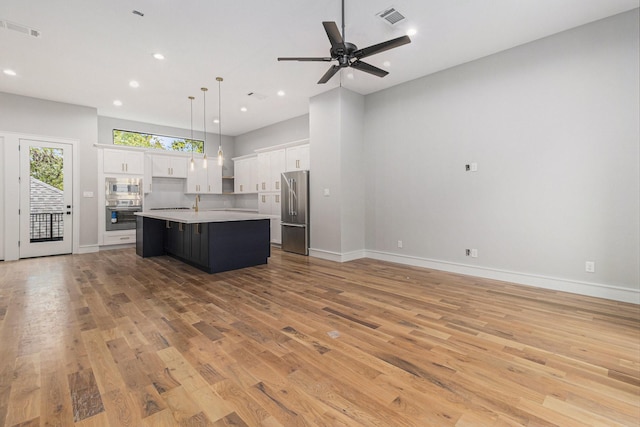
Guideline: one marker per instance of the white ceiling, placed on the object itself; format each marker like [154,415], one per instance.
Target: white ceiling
[88,51]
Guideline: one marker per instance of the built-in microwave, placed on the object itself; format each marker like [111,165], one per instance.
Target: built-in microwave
[127,188]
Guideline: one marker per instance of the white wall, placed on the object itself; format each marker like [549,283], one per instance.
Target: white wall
[336,145]
[33,116]
[554,128]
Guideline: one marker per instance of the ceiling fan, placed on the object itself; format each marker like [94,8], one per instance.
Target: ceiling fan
[347,54]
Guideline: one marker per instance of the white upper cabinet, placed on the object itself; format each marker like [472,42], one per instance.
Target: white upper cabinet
[203,180]
[196,178]
[167,166]
[298,158]
[246,175]
[270,165]
[214,177]
[123,162]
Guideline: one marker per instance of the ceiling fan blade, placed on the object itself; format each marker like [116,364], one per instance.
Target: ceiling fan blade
[333,33]
[330,73]
[305,59]
[368,68]
[381,47]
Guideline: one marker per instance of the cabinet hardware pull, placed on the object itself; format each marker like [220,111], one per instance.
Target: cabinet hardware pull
[180,226]
[124,238]
[167,224]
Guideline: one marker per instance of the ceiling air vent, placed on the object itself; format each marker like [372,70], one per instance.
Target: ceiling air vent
[259,96]
[19,28]
[391,16]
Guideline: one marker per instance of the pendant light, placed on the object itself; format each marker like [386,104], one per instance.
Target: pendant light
[192,164]
[204,143]
[220,156]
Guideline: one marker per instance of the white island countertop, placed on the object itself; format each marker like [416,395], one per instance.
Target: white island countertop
[193,217]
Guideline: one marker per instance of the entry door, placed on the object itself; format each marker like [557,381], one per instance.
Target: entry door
[46,220]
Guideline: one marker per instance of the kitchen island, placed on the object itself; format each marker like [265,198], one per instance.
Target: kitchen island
[213,241]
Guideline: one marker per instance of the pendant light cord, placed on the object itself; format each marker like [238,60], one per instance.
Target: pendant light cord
[204,105]
[220,155]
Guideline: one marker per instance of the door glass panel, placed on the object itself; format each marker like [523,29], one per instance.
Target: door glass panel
[46,194]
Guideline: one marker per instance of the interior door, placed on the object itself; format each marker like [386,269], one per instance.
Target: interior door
[46,198]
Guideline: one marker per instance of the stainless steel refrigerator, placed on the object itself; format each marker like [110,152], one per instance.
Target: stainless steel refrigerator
[295,212]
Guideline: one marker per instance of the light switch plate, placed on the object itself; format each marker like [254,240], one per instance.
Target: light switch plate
[326,192]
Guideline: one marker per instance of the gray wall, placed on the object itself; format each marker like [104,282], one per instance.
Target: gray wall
[55,119]
[279,133]
[554,128]
[106,125]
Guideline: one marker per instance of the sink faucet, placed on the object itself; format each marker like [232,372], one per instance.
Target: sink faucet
[197,200]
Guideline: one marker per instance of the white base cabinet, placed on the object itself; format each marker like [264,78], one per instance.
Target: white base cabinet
[269,204]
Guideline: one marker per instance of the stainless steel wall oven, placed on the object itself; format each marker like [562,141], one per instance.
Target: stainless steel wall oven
[123,198]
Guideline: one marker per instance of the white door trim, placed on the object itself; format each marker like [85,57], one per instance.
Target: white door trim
[11,168]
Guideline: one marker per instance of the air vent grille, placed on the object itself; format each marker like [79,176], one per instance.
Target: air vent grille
[391,15]
[256,95]
[19,28]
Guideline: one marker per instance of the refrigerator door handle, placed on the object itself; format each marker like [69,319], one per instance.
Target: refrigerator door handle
[293,225]
[294,196]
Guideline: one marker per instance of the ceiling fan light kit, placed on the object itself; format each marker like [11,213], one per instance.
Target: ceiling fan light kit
[347,54]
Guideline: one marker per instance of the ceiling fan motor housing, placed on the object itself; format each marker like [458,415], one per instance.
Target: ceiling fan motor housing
[343,53]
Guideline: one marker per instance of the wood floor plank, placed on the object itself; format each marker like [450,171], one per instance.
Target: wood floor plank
[25,400]
[111,339]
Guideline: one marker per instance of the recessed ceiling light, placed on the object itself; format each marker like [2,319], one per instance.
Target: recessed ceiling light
[281,93]
[243,109]
[216,121]
[9,72]
[117,103]
[412,32]
[158,56]
[386,64]
[134,83]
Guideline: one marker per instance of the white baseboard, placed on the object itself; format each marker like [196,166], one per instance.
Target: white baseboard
[598,290]
[110,247]
[88,249]
[336,256]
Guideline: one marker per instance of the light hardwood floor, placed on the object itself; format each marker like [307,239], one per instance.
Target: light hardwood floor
[111,339]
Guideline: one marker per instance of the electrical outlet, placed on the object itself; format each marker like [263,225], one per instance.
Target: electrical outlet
[590,266]
[474,253]
[467,252]
[467,167]
[400,243]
